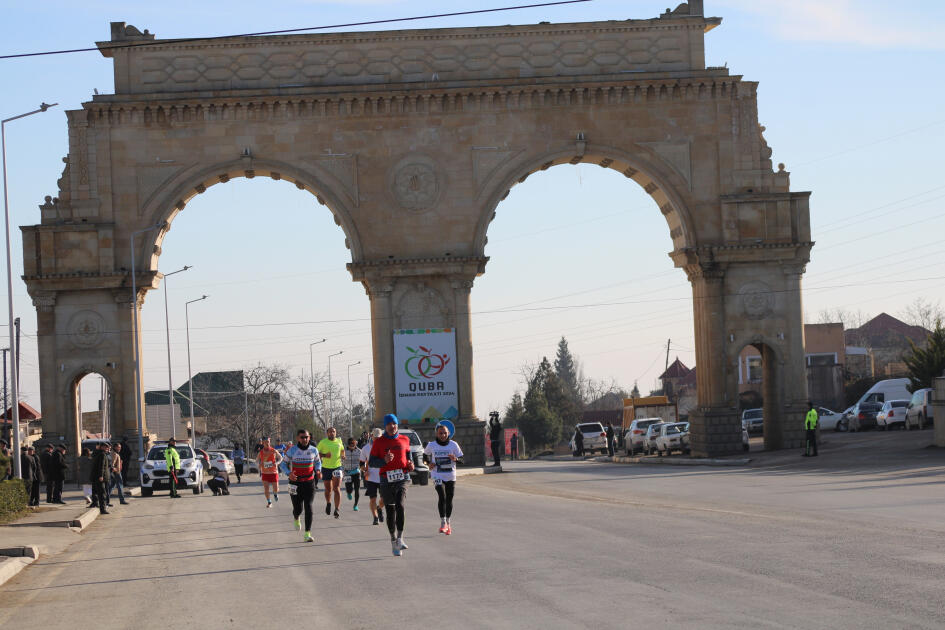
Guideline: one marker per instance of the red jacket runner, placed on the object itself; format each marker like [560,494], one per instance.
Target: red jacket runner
[399,445]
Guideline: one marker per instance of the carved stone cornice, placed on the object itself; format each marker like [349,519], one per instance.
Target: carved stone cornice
[421,99]
[44,301]
[393,268]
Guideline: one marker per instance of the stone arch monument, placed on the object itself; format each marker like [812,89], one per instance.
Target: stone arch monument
[412,139]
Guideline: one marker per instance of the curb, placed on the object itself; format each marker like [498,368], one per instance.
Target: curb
[85,519]
[669,461]
[468,472]
[10,566]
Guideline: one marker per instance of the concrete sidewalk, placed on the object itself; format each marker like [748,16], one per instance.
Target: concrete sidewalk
[48,530]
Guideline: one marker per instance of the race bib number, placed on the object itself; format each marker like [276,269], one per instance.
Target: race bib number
[444,464]
[347,479]
[336,473]
[395,475]
[293,489]
[437,482]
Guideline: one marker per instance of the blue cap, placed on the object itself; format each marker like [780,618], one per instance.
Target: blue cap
[391,418]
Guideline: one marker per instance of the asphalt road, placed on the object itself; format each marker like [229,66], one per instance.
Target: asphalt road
[851,539]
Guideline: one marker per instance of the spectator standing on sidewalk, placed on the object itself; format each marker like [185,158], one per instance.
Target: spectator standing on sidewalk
[45,462]
[57,470]
[610,439]
[36,470]
[85,474]
[125,459]
[101,476]
[116,469]
[513,447]
[7,471]
[495,439]
[238,455]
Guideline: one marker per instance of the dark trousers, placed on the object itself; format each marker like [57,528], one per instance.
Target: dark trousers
[394,495]
[239,472]
[56,490]
[354,486]
[302,500]
[172,480]
[99,494]
[49,490]
[811,442]
[610,447]
[34,492]
[495,451]
[217,486]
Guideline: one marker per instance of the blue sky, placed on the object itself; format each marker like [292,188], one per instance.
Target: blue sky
[850,93]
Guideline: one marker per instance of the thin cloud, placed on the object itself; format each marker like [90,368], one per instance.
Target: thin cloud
[860,23]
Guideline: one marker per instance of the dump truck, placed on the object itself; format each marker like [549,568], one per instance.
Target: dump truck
[648,407]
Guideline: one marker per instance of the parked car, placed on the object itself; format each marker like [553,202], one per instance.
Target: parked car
[828,419]
[746,440]
[633,438]
[649,438]
[672,437]
[754,420]
[892,415]
[421,472]
[221,461]
[595,439]
[919,410]
[864,416]
[155,476]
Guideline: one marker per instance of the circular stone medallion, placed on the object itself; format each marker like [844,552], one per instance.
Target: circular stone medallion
[86,329]
[757,300]
[414,183]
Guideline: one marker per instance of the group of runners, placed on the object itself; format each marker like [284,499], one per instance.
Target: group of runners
[384,463]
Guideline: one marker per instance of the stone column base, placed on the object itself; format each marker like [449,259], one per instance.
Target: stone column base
[715,432]
[938,411]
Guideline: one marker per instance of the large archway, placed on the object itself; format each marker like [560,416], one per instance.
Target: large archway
[412,138]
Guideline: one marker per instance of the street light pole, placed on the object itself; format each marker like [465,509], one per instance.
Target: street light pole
[311,360]
[331,421]
[350,419]
[167,330]
[14,376]
[134,321]
[190,377]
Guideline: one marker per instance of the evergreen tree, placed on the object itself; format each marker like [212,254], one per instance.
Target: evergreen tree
[926,363]
[567,372]
[514,412]
[539,424]
[635,392]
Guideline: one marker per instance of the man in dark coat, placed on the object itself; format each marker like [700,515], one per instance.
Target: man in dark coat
[57,472]
[100,476]
[610,439]
[125,455]
[30,468]
[495,439]
[45,461]
[39,476]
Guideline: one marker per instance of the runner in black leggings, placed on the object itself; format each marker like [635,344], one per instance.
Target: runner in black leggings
[443,453]
[391,453]
[304,464]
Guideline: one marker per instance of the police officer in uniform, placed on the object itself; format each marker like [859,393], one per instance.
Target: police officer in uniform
[810,426]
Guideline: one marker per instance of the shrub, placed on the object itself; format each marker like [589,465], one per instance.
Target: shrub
[13,499]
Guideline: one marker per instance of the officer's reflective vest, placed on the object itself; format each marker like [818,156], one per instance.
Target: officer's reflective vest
[811,422]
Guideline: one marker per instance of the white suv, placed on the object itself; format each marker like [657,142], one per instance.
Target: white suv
[919,411]
[154,474]
[633,439]
[595,439]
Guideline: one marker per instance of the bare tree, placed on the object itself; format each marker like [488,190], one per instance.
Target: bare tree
[921,312]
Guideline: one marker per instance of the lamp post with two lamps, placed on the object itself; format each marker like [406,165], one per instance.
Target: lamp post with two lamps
[14,384]
[190,377]
[331,421]
[167,329]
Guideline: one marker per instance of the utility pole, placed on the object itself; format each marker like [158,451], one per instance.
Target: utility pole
[667,355]
[5,408]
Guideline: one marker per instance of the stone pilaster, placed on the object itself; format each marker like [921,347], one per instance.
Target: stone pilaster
[464,349]
[382,327]
[938,411]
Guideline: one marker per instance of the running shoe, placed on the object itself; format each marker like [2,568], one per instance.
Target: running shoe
[349,496]
[268,504]
[337,515]
[443,528]
[375,521]
[402,544]
[395,547]
[328,509]
[380,515]
[298,525]
[355,508]
[276,497]
[449,529]
[308,537]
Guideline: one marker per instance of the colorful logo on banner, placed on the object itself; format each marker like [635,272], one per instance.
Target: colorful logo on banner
[425,363]
[425,380]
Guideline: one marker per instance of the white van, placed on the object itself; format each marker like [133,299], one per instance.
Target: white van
[890,389]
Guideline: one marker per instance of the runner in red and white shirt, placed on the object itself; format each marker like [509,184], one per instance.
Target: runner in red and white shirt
[269,460]
[391,453]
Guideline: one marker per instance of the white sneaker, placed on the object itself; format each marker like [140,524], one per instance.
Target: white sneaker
[402,544]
